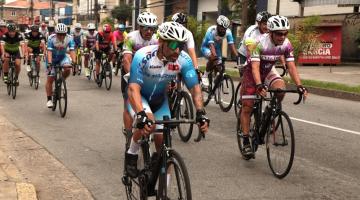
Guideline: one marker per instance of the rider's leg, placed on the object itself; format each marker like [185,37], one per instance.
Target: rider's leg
[164,110]
[274,80]
[66,63]
[98,57]
[17,66]
[48,88]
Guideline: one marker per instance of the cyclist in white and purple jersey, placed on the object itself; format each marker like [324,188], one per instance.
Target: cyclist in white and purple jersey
[153,67]
[260,73]
[57,46]
[212,42]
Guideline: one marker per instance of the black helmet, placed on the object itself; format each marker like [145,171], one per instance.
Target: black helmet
[11,27]
[34,28]
[179,18]
[263,16]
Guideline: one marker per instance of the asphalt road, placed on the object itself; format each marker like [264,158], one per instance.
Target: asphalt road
[89,142]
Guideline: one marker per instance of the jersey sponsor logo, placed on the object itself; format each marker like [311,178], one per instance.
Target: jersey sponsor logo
[269,57]
[173,66]
[147,57]
[155,66]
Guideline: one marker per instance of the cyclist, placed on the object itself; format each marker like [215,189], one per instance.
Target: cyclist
[3,28]
[260,73]
[43,30]
[119,37]
[89,44]
[134,41]
[253,34]
[35,43]
[212,42]
[57,46]
[10,45]
[152,69]
[103,44]
[77,35]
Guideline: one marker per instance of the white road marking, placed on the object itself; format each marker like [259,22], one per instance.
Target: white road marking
[326,126]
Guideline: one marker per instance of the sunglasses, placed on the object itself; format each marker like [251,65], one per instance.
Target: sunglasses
[175,44]
[146,28]
[279,34]
[61,34]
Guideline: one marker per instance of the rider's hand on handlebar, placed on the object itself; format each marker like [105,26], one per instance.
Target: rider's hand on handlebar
[202,120]
[142,122]
[303,91]
[261,89]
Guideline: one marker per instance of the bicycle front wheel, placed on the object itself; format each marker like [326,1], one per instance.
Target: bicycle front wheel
[14,84]
[62,97]
[9,81]
[108,76]
[237,101]
[185,111]
[226,93]
[280,145]
[175,183]
[37,80]
[91,68]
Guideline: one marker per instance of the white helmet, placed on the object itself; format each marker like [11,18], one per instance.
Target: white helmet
[147,19]
[61,28]
[223,21]
[77,26]
[91,26]
[173,31]
[278,23]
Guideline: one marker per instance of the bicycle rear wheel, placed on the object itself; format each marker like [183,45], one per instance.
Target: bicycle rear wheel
[108,76]
[237,101]
[175,183]
[185,111]
[226,93]
[206,91]
[62,96]
[280,145]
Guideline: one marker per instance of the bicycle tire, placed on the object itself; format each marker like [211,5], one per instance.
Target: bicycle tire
[37,80]
[276,122]
[237,102]
[226,82]
[9,81]
[79,65]
[62,97]
[14,86]
[177,170]
[185,134]
[91,68]
[118,66]
[54,96]
[108,76]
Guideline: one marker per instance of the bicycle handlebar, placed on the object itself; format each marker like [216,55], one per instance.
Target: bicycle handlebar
[257,97]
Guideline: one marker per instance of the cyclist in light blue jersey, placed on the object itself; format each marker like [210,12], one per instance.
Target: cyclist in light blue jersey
[212,43]
[57,46]
[152,68]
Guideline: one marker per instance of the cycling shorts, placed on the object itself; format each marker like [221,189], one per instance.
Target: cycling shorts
[99,53]
[66,61]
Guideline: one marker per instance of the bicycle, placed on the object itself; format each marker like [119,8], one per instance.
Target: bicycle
[60,90]
[222,88]
[33,74]
[237,100]
[264,129]
[77,67]
[119,62]
[159,167]
[106,72]
[181,107]
[12,82]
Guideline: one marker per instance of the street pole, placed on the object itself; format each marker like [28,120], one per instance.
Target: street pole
[31,11]
[51,9]
[277,7]
[96,12]
[2,9]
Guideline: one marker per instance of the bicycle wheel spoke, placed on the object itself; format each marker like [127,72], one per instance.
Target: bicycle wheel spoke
[226,93]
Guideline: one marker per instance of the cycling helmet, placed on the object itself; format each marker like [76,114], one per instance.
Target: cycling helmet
[91,26]
[278,23]
[61,28]
[121,27]
[147,19]
[11,27]
[179,18]
[107,28]
[173,31]
[34,28]
[2,23]
[263,16]
[77,26]
[223,21]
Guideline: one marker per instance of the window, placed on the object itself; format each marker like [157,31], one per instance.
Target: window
[13,13]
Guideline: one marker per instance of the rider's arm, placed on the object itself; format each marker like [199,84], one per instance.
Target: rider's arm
[49,56]
[212,49]
[293,72]
[233,49]
[193,57]
[135,82]
[72,49]
[230,41]
[2,48]
[135,97]
[255,68]
[127,62]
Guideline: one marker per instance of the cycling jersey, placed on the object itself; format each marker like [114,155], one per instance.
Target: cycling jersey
[190,43]
[211,37]
[12,44]
[119,36]
[59,48]
[77,37]
[251,37]
[34,41]
[134,42]
[90,39]
[105,42]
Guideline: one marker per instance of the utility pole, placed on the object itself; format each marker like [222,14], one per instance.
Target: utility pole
[244,15]
[2,8]
[277,7]
[31,11]
[96,12]
[51,9]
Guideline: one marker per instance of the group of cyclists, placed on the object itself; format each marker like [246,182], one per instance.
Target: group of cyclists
[154,55]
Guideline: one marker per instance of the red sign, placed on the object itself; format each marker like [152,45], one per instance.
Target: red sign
[330,49]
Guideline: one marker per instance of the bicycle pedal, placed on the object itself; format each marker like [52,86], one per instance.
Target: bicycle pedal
[126,180]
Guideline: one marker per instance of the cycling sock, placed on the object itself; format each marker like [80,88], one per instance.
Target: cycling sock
[134,147]
[49,98]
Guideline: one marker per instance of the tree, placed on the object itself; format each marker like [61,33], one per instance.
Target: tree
[198,28]
[122,12]
[249,10]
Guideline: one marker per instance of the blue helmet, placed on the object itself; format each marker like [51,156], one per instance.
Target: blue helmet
[121,27]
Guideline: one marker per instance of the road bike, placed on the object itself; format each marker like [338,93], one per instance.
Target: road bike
[162,174]
[78,63]
[12,82]
[221,87]
[270,126]
[91,64]
[105,72]
[119,62]
[60,90]
[33,74]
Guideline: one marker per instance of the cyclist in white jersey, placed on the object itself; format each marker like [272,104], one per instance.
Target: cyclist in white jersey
[135,40]
[89,40]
